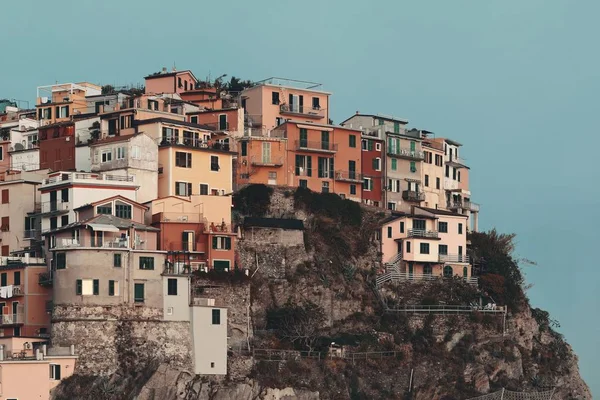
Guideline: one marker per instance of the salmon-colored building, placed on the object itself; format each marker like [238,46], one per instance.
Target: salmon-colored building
[170,82]
[204,97]
[271,102]
[220,120]
[373,169]
[24,297]
[58,103]
[196,232]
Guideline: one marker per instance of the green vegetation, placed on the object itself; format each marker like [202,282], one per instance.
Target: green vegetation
[329,205]
[253,200]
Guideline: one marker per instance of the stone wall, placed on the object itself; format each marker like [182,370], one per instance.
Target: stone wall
[284,237]
[111,338]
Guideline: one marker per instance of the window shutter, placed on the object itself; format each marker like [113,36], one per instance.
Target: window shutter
[309,165]
[214,241]
[189,189]
[370,145]
[78,286]
[320,167]
[67,112]
[111,288]
[96,287]
[228,243]
[57,372]
[298,161]
[331,168]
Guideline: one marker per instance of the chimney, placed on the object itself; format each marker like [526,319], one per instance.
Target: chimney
[1,352]
[357,112]
[44,350]
[72,350]
[38,355]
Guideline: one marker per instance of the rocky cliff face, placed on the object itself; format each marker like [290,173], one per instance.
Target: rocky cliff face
[381,354]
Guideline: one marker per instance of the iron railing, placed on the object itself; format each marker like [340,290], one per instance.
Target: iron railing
[307,111]
[410,195]
[267,161]
[406,153]
[350,176]
[457,258]
[421,233]
[307,145]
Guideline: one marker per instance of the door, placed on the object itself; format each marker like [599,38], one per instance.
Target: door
[325,140]
[221,265]
[399,246]
[223,122]
[303,137]
[15,311]
[300,103]
[53,200]
[352,169]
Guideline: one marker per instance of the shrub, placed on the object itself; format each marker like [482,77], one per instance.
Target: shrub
[330,205]
[253,200]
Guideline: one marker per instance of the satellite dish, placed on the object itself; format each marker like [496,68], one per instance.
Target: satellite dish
[19,146]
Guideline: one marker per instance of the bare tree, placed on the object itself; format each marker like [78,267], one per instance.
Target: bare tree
[300,324]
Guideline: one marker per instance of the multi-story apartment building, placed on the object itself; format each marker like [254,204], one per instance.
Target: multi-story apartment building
[263,159]
[63,192]
[20,194]
[196,232]
[426,243]
[57,103]
[229,120]
[107,259]
[373,169]
[433,173]
[23,301]
[132,155]
[190,160]
[456,183]
[271,102]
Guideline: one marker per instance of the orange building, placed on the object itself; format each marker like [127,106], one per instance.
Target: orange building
[24,296]
[58,103]
[170,82]
[323,158]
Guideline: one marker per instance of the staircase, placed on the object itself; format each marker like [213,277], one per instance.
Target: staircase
[392,271]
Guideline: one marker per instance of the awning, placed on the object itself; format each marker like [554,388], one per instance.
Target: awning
[314,127]
[103,227]
[412,180]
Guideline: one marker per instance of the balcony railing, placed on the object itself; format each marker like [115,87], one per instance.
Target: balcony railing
[420,233]
[12,319]
[217,126]
[316,146]
[32,234]
[177,217]
[267,161]
[18,290]
[306,111]
[181,246]
[472,206]
[454,258]
[410,195]
[348,176]
[219,228]
[450,184]
[73,176]
[194,143]
[45,279]
[464,205]
[106,243]
[406,153]
[53,207]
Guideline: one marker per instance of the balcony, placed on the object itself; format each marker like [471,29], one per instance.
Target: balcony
[424,234]
[32,234]
[86,177]
[18,291]
[178,217]
[450,184]
[304,111]
[219,228]
[454,258]
[317,146]
[193,143]
[406,153]
[45,279]
[183,247]
[52,207]
[348,176]
[463,205]
[217,126]
[106,243]
[267,161]
[12,319]
[410,195]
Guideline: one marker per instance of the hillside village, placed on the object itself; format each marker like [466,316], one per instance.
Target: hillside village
[194,229]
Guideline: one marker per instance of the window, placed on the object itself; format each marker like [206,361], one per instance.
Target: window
[135,153]
[216,317]
[303,137]
[223,122]
[64,220]
[106,156]
[447,171]
[214,163]
[64,195]
[408,247]
[448,271]
[273,176]
[303,165]
[352,189]
[126,121]
[379,121]
[443,227]
[437,183]
[352,140]
[4,196]
[427,270]
[275,97]
[443,249]
[138,292]
[185,85]
[147,263]
[172,287]
[61,260]
[391,206]
[394,164]
[96,285]
[401,227]
[170,135]
[325,167]
[55,372]
[204,189]
[364,144]
[454,173]
[221,243]
[438,160]
[424,248]
[413,166]
[104,209]
[123,211]
[53,223]
[179,84]
[419,224]
[427,180]
[87,287]
[121,153]
[3,279]
[389,232]
[183,159]
[460,229]
[183,189]
[117,260]
[113,288]
[244,146]
[325,187]
[5,224]
[325,140]
[394,185]
[367,184]
[279,121]
[62,112]
[378,146]
[266,152]
[303,183]
[194,119]
[315,103]
[377,164]
[458,176]
[17,278]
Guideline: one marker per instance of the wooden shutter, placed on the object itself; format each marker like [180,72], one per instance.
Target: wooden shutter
[321,161]
[78,286]
[309,165]
[331,168]
[96,287]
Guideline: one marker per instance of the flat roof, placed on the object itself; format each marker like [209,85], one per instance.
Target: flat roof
[381,116]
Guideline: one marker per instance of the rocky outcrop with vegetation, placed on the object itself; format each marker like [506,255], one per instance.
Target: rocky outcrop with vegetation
[306,296]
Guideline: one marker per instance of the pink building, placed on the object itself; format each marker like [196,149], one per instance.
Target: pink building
[170,82]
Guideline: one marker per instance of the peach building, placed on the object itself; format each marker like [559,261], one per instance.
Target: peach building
[263,159]
[220,120]
[29,369]
[196,232]
[273,101]
[426,243]
[433,174]
[58,103]
[170,82]
[24,297]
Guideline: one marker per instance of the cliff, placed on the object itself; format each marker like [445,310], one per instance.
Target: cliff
[308,291]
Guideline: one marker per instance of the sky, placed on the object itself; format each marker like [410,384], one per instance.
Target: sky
[510,79]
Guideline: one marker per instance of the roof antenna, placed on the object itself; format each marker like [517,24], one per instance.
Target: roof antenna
[174,68]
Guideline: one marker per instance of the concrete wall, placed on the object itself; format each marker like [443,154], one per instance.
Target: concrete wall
[24,380]
[177,307]
[210,341]
[21,199]
[25,160]
[107,338]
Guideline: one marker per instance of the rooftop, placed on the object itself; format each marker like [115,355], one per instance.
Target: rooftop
[106,219]
[88,178]
[389,118]
[292,83]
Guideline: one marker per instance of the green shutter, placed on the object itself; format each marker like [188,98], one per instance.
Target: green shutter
[111,288]
[394,164]
[389,145]
[320,167]
[78,286]
[413,166]
[331,168]
[309,165]
[96,287]
[396,127]
[369,145]
[138,290]
[298,161]
[228,243]
[214,242]
[412,146]
[374,162]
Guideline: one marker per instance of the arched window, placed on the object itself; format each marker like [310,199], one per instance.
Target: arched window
[427,270]
[448,273]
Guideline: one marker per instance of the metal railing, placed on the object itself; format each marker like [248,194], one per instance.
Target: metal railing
[457,258]
[11,319]
[180,246]
[446,309]
[106,243]
[351,176]
[52,206]
[177,217]
[464,205]
[308,111]
[219,227]
[217,126]
[32,234]
[316,145]
[71,176]
[410,195]
[45,279]
[18,290]
[267,161]
[282,355]
[194,143]
[420,233]
[406,153]
[407,276]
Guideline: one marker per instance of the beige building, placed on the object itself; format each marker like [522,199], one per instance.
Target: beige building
[209,327]
[433,174]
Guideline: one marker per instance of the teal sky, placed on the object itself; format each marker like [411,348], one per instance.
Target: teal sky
[515,81]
